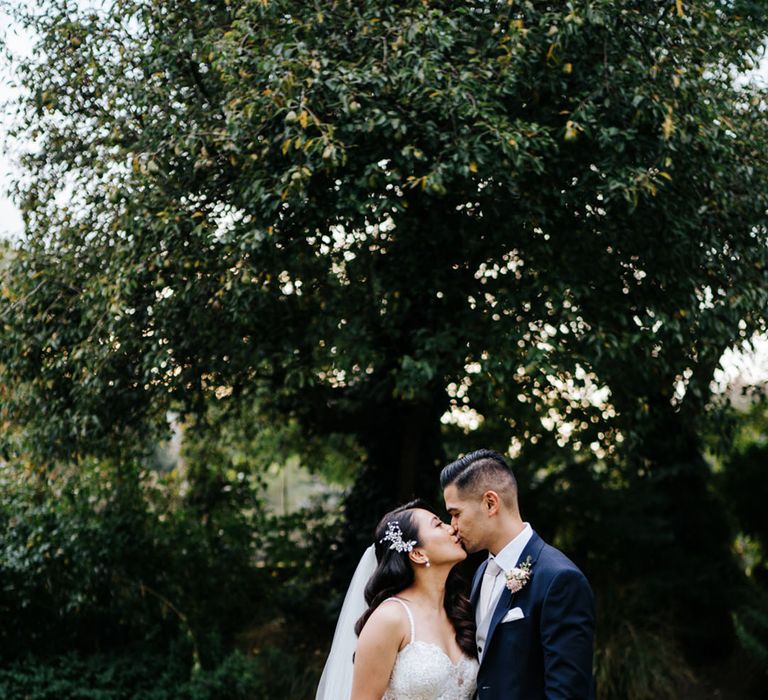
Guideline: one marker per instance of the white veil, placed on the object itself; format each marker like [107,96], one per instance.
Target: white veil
[336,681]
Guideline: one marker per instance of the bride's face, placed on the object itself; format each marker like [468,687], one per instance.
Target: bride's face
[438,540]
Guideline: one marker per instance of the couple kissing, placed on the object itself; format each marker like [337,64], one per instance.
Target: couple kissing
[409,629]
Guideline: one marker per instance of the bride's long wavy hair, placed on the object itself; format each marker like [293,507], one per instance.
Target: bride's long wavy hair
[394,573]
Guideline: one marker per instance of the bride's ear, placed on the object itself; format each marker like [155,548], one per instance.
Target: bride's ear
[419,557]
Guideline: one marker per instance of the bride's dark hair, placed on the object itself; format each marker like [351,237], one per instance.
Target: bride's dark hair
[394,573]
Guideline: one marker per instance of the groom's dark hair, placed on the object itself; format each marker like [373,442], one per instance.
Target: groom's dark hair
[480,471]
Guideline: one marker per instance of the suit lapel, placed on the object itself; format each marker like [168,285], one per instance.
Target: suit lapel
[532,549]
[476,581]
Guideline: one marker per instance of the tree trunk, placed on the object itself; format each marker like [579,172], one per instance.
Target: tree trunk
[405,454]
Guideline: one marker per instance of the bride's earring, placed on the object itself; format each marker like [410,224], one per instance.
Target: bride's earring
[427,564]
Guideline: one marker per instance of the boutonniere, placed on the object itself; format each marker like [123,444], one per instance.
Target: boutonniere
[519,576]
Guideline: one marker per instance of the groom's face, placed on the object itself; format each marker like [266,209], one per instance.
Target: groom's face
[467,517]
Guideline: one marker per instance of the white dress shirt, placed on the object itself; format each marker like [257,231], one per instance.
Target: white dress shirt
[493,583]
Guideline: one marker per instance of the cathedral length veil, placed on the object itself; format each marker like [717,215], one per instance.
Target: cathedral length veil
[336,681]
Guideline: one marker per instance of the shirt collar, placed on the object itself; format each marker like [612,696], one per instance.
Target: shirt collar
[508,557]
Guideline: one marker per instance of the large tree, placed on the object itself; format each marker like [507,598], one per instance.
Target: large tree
[365,214]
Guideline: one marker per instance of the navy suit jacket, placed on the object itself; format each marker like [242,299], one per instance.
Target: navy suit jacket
[546,655]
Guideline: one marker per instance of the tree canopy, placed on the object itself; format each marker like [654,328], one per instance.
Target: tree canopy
[347,204]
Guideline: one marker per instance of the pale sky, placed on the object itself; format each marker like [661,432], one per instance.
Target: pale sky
[742,364]
[10,219]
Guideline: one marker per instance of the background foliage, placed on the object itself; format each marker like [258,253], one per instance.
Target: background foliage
[373,235]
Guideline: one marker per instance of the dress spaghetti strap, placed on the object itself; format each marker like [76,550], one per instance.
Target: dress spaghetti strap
[410,615]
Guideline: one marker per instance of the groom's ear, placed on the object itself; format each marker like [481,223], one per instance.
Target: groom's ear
[491,502]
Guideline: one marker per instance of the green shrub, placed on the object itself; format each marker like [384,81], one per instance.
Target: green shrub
[752,631]
[633,663]
[101,557]
[142,677]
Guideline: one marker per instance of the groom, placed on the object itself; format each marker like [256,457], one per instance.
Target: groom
[533,607]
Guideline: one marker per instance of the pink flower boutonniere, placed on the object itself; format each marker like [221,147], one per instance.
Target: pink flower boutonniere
[519,576]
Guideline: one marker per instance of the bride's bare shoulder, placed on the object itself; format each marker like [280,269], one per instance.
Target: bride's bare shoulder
[390,619]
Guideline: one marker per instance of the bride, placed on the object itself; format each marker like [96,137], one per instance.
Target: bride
[414,635]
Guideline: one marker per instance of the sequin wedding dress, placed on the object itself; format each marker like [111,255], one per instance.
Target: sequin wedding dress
[423,671]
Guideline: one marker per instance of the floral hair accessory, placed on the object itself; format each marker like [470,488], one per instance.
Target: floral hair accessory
[519,576]
[395,536]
